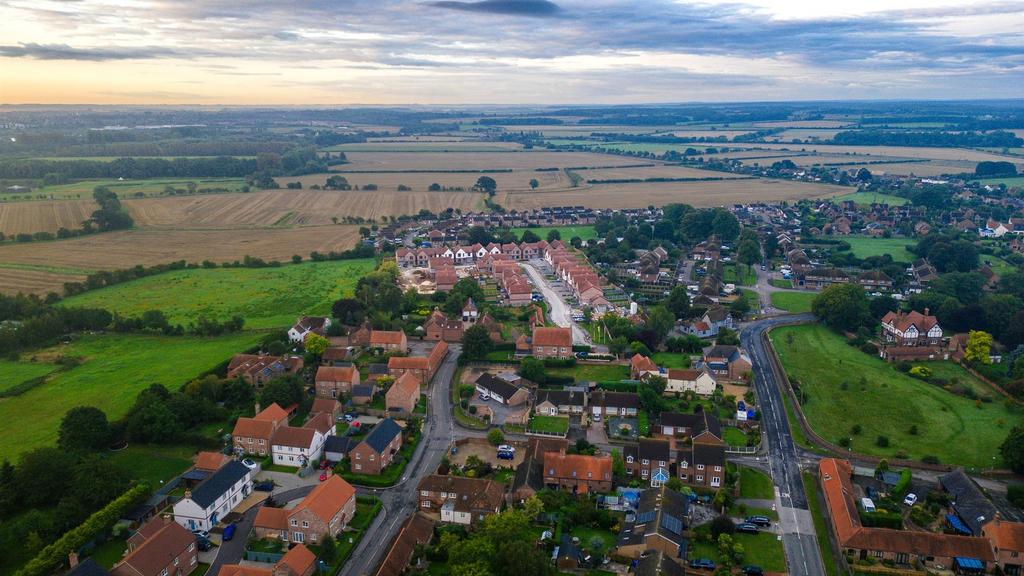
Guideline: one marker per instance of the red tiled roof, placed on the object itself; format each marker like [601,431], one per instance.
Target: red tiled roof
[408,363]
[159,550]
[271,518]
[322,422]
[335,374]
[560,465]
[298,560]
[546,336]
[1005,535]
[902,322]
[211,460]
[253,428]
[642,363]
[381,337]
[272,413]
[328,498]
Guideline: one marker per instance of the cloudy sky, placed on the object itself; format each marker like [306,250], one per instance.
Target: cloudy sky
[505,51]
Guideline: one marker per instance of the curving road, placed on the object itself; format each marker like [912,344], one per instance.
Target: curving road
[798,536]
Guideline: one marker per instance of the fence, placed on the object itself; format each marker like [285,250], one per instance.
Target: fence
[743,449]
[266,557]
[547,434]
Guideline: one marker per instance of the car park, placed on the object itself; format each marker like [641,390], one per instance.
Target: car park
[702,564]
[763,521]
[747,528]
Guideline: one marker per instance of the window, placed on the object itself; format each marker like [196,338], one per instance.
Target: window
[700,466]
[359,466]
[175,560]
[426,504]
[700,478]
[305,524]
[250,440]
[684,464]
[716,480]
[239,439]
[299,537]
[629,459]
[661,462]
[372,457]
[646,461]
[424,493]
[191,546]
[359,456]
[193,562]
[312,537]
[879,554]
[718,468]
[294,522]
[262,441]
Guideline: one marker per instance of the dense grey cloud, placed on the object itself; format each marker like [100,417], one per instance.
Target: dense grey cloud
[513,7]
[65,52]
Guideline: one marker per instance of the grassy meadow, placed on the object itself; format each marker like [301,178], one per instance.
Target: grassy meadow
[793,302]
[868,198]
[846,387]
[865,246]
[567,232]
[265,297]
[114,368]
[14,373]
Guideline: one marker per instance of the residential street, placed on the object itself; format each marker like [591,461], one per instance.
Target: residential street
[558,310]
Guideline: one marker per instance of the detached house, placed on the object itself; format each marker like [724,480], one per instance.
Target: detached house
[299,561]
[603,402]
[378,449]
[333,381]
[460,500]
[911,329]
[556,402]
[327,509]
[699,381]
[714,319]
[640,367]
[204,506]
[727,363]
[258,369]
[577,473]
[439,327]
[253,435]
[700,450]
[501,391]
[402,397]
[551,343]
[308,325]
[161,547]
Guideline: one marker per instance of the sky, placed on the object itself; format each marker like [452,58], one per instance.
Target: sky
[462,52]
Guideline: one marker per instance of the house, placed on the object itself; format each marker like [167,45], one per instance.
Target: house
[440,327]
[337,356]
[417,531]
[363,394]
[492,325]
[678,425]
[252,435]
[1007,541]
[336,448]
[422,367]
[577,473]
[402,397]
[911,329]
[699,381]
[333,381]
[825,276]
[875,280]
[700,450]
[968,501]
[361,336]
[603,402]
[328,406]
[299,447]
[501,391]
[389,341]
[727,363]
[298,561]
[657,563]
[378,449]
[640,367]
[555,402]
[258,369]
[923,271]
[529,478]
[210,462]
[308,325]
[714,319]
[904,548]
[445,279]
[460,500]
[659,524]
[327,509]
[470,313]
[160,547]
[550,342]
[204,506]
[648,461]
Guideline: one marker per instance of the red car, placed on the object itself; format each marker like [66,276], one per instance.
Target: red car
[323,476]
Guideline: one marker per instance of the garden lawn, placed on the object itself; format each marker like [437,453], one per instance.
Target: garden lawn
[14,373]
[793,302]
[265,297]
[865,246]
[553,424]
[779,283]
[671,360]
[151,463]
[567,232]
[734,436]
[764,550]
[891,402]
[868,198]
[586,534]
[115,368]
[755,484]
[593,372]
[110,552]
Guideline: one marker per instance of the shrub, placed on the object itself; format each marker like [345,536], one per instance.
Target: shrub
[844,442]
[855,429]
[882,442]
[920,372]
[1015,493]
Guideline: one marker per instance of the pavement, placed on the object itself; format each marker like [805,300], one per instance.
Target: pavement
[797,526]
[558,310]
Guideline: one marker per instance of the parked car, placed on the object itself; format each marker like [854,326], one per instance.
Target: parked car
[203,544]
[248,463]
[506,456]
[325,464]
[202,534]
[911,499]
[753,570]
[229,532]
[267,486]
[702,564]
[506,448]
[759,520]
[323,476]
[485,396]
[747,528]
[349,417]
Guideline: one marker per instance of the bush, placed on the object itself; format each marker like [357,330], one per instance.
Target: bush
[495,437]
[903,486]
[1015,493]
[722,525]
[920,372]
[882,442]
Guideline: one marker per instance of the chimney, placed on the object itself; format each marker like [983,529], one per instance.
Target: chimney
[926,311]
[188,494]
[72,559]
[167,519]
[257,409]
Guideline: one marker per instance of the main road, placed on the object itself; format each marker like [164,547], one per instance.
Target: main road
[798,535]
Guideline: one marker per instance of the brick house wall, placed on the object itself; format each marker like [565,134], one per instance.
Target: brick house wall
[364,460]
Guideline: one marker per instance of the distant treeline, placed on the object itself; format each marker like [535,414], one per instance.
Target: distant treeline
[173,148]
[521,121]
[662,179]
[996,139]
[56,171]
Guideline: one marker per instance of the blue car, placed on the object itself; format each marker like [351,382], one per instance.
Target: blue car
[506,456]
[229,532]
[702,564]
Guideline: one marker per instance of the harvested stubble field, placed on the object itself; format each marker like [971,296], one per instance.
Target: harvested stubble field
[420,181]
[706,133]
[511,160]
[701,194]
[802,124]
[43,216]
[895,151]
[827,159]
[427,146]
[126,188]
[659,171]
[915,168]
[803,134]
[36,267]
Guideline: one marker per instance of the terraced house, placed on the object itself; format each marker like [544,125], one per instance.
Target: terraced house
[202,507]
[258,369]
[253,435]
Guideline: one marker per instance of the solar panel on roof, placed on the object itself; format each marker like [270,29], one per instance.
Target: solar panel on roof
[671,523]
[644,517]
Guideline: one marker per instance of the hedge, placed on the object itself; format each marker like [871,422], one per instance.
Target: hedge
[901,487]
[53,556]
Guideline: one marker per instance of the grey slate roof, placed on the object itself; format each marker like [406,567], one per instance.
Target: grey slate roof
[492,383]
[382,435]
[338,444]
[88,567]
[207,492]
[970,504]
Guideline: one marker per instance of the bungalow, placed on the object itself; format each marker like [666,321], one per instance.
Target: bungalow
[160,547]
[824,277]
[389,341]
[699,381]
[378,449]
[555,402]
[334,381]
[578,473]
[252,435]
[649,460]
[501,391]
[327,509]
[659,524]
[402,397]
[308,325]
[613,404]
[460,500]
[258,369]
[204,506]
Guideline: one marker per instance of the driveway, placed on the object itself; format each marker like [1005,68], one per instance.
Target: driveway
[558,310]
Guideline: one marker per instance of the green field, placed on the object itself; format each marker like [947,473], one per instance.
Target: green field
[890,403]
[153,464]
[421,147]
[793,302]
[114,369]
[567,232]
[1010,181]
[127,188]
[868,198]
[265,297]
[755,484]
[671,360]
[14,373]
[593,372]
[553,424]
[865,246]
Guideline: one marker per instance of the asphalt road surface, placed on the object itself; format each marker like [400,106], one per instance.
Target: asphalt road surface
[798,536]
[557,308]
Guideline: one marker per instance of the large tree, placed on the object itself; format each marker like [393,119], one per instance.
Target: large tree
[84,429]
[660,321]
[285,391]
[1012,450]
[678,302]
[842,307]
[476,343]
